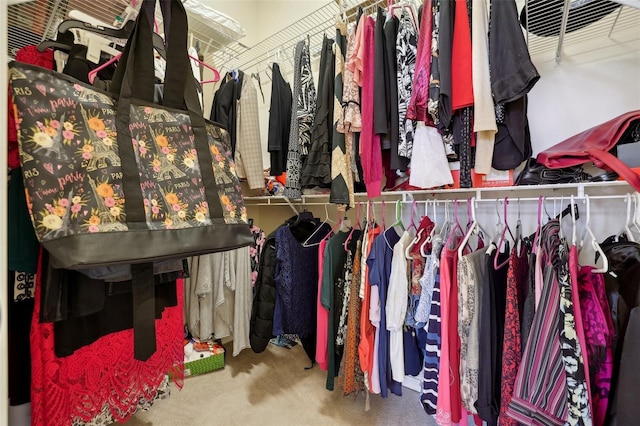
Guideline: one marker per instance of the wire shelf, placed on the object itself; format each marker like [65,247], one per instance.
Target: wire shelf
[620,26]
[279,46]
[34,21]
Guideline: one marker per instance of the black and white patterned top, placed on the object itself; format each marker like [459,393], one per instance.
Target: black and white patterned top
[406,49]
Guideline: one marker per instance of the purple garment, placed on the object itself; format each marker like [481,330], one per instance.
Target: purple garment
[598,329]
[296,281]
[379,263]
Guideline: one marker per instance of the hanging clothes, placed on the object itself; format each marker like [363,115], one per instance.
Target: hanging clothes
[295,287]
[579,412]
[350,122]
[302,112]
[219,296]
[322,315]
[224,106]
[341,177]
[248,153]
[381,79]
[396,306]
[599,334]
[540,390]
[406,48]
[449,398]
[317,168]
[494,298]
[370,151]
[473,272]
[367,330]
[484,116]
[334,258]
[279,121]
[510,82]
[417,108]
[390,37]
[341,299]
[353,376]
[445,49]
[429,397]
[512,347]
[255,251]
[379,263]
[103,375]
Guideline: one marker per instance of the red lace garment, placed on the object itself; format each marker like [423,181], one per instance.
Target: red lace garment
[104,373]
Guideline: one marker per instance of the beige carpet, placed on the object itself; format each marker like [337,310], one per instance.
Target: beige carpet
[273,388]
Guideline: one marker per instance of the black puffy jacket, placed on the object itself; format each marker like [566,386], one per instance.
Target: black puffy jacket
[264,300]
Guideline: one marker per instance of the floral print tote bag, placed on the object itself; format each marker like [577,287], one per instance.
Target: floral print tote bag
[112,178]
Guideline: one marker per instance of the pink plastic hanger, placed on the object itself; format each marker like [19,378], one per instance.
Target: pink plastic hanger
[357,225]
[456,226]
[216,73]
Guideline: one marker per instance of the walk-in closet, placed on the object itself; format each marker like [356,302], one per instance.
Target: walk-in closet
[320,212]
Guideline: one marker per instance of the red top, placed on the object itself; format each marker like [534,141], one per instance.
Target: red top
[461,77]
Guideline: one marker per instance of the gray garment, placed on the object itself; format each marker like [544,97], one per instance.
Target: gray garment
[218,296]
[477,268]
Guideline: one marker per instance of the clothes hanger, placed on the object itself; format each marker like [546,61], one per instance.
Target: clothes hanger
[474,226]
[407,252]
[122,33]
[594,242]
[398,223]
[534,246]
[432,234]
[256,76]
[392,7]
[519,232]
[348,240]
[216,78]
[327,219]
[573,224]
[502,241]
[456,226]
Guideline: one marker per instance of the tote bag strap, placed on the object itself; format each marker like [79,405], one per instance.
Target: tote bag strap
[604,159]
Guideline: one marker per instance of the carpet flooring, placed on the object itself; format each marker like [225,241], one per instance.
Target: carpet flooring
[273,388]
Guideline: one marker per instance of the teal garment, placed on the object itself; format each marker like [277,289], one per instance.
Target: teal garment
[334,257]
[23,245]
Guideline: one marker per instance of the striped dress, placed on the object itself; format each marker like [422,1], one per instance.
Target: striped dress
[540,390]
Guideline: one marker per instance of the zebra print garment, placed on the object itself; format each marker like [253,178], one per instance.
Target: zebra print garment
[302,113]
[406,48]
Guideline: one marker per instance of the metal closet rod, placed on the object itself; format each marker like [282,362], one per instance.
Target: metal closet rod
[292,204]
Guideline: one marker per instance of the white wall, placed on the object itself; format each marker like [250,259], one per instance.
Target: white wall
[582,92]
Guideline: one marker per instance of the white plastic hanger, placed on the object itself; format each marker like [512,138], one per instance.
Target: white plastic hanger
[594,241]
[327,219]
[433,233]
[407,252]
[534,246]
[398,223]
[473,226]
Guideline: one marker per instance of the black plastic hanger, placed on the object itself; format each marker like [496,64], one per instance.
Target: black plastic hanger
[121,33]
[63,41]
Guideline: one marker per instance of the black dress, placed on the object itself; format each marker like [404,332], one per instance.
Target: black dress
[279,121]
[317,167]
